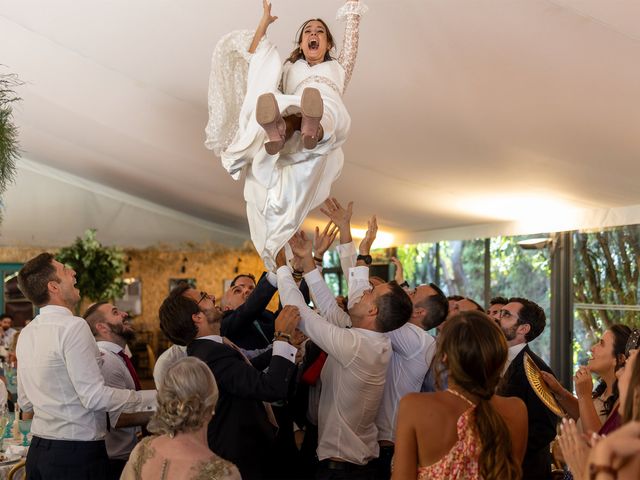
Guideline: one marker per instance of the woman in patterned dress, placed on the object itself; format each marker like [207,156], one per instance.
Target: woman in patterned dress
[466,431]
[179,451]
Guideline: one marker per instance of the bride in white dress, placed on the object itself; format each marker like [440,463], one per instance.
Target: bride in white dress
[286,173]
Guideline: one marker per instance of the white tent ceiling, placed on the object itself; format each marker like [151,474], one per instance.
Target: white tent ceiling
[468,117]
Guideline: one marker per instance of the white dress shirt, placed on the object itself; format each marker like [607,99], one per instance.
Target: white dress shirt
[119,441]
[353,376]
[413,351]
[512,353]
[166,359]
[60,381]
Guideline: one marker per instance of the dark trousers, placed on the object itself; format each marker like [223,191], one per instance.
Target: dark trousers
[66,459]
[115,468]
[381,466]
[330,470]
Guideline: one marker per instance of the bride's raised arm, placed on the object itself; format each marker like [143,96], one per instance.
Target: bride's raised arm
[351,11]
[266,20]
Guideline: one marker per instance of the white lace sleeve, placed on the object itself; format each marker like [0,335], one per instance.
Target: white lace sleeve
[227,88]
[351,12]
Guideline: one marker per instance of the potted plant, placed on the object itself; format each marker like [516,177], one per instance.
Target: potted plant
[98,269]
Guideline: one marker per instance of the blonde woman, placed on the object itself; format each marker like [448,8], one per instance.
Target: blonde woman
[179,451]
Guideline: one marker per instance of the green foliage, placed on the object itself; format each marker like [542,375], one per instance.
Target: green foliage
[98,269]
[9,147]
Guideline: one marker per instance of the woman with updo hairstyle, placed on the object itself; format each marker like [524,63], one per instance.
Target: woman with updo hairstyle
[466,431]
[179,450]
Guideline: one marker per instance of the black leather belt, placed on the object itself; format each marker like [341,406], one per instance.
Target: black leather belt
[347,466]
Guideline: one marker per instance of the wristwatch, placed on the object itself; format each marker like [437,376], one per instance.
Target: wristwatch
[365,258]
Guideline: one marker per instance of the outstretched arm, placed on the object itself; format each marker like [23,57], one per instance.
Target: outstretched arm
[351,11]
[261,30]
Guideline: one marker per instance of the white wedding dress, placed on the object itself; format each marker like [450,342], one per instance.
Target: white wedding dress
[280,189]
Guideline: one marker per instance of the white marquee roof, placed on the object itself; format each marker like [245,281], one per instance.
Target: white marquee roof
[468,117]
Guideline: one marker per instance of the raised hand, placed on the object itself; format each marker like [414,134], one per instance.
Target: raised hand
[287,320]
[267,19]
[261,30]
[323,240]
[301,245]
[340,216]
[369,237]
[399,276]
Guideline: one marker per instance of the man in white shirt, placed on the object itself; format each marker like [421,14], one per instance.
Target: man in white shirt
[354,374]
[112,331]
[60,381]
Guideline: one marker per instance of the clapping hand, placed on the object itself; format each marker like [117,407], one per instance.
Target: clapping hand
[575,449]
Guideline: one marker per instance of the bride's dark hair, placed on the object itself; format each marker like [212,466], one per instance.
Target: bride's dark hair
[297,54]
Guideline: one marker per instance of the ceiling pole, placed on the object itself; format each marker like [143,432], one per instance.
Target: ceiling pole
[561,323]
[487,272]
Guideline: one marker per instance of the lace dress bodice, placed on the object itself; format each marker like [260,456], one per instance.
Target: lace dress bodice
[214,468]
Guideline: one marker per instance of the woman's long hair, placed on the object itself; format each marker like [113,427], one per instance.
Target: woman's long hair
[621,335]
[474,350]
[297,54]
[631,408]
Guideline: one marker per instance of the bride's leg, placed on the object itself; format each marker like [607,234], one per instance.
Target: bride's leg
[312,109]
[269,118]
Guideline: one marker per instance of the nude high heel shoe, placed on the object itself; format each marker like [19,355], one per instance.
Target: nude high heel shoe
[312,109]
[269,118]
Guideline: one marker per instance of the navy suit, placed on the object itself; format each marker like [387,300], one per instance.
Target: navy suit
[240,430]
[542,421]
[250,326]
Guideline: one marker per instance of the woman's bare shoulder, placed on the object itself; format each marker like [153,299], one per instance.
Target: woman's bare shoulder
[510,406]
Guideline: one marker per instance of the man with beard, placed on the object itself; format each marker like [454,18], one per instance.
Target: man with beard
[60,382]
[522,321]
[243,428]
[112,331]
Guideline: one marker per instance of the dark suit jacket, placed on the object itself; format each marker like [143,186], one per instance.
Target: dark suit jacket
[251,326]
[542,421]
[240,430]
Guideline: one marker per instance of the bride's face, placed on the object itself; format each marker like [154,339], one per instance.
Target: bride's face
[314,42]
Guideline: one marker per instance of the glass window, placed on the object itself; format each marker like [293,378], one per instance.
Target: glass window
[520,272]
[605,284]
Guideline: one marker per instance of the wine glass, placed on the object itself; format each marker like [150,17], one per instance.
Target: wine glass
[25,427]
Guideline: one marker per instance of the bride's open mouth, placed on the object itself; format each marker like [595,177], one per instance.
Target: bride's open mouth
[314,44]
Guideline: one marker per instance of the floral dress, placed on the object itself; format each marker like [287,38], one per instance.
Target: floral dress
[461,462]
